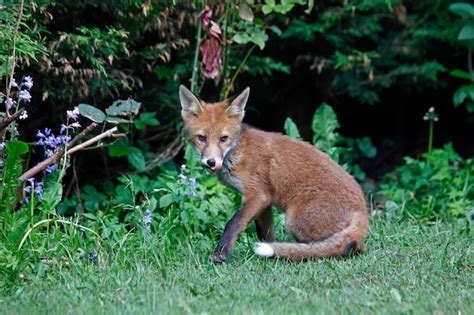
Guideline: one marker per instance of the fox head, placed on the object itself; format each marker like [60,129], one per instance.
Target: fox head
[213,128]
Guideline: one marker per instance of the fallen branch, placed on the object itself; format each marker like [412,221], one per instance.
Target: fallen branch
[58,154]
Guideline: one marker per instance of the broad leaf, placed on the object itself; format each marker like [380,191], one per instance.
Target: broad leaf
[463,9]
[467,32]
[91,112]
[324,125]
[291,129]
[123,108]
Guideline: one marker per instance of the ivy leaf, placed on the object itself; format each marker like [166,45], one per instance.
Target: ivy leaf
[291,129]
[91,112]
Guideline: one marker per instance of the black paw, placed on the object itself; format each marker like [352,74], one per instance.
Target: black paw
[219,257]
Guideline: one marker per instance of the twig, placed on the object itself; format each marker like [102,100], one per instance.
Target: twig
[106,134]
[169,152]
[56,156]
[242,64]
[9,119]
[12,73]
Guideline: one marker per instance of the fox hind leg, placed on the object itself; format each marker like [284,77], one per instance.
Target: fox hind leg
[265,226]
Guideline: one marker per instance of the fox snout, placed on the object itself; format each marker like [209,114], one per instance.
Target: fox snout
[213,164]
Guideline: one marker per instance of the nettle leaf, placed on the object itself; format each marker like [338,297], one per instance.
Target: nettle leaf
[467,32]
[463,9]
[91,112]
[123,108]
[324,126]
[291,129]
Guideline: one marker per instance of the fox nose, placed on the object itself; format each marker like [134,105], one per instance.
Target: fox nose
[211,162]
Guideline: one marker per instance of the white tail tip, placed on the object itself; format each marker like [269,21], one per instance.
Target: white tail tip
[264,250]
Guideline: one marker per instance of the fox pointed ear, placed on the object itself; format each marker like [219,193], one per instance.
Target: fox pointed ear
[237,105]
[189,102]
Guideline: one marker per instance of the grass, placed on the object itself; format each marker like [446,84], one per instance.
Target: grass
[408,269]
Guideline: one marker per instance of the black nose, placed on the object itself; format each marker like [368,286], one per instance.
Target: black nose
[211,162]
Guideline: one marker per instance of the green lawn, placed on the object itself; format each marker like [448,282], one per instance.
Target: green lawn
[407,269]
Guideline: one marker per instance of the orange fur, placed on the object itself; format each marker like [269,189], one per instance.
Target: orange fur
[324,205]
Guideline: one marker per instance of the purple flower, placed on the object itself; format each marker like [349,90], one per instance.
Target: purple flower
[215,30]
[23,115]
[28,82]
[24,96]
[9,103]
[51,168]
[38,189]
[14,84]
[2,146]
[73,114]
[63,128]
[211,57]
[93,257]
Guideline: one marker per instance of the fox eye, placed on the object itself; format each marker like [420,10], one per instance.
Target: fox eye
[201,138]
[223,139]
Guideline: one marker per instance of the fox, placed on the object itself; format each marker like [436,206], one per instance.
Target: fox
[325,208]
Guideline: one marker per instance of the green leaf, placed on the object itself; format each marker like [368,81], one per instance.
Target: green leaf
[467,32]
[245,12]
[136,159]
[275,29]
[324,125]
[147,118]
[291,129]
[461,74]
[118,150]
[241,38]
[259,39]
[167,200]
[91,112]
[12,169]
[463,9]
[123,108]
[52,192]
[268,6]
[310,7]
[464,93]
[367,147]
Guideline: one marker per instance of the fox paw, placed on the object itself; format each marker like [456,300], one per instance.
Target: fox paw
[218,257]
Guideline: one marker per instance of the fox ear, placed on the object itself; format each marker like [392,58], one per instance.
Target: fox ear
[237,105]
[189,102]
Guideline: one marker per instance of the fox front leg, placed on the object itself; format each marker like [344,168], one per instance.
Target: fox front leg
[251,207]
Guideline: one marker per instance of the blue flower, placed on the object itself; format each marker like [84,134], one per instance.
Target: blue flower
[24,96]
[2,146]
[93,257]
[147,217]
[51,168]
[9,103]
[23,115]
[38,189]
[28,82]
[73,114]
[14,84]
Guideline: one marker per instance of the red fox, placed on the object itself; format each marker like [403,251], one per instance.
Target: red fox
[325,207]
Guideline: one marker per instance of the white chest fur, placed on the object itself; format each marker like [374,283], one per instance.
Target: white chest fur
[226,175]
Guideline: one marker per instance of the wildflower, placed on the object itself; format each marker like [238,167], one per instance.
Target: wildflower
[192,183]
[28,82]
[73,114]
[23,115]
[63,128]
[38,189]
[13,83]
[24,96]
[9,103]
[211,57]
[2,146]
[75,125]
[205,15]
[51,168]
[431,115]
[93,257]
[147,217]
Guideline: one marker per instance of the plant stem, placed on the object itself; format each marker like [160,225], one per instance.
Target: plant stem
[194,76]
[430,139]
[241,66]
[226,49]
